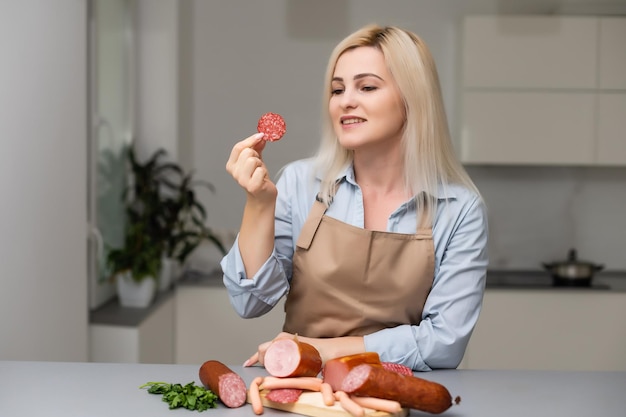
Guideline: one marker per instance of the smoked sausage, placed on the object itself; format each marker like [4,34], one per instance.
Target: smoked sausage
[225,383]
[292,358]
[410,391]
[335,370]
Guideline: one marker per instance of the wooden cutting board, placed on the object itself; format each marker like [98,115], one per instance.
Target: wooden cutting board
[312,404]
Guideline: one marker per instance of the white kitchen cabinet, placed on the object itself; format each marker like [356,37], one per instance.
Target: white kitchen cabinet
[612,128]
[149,341]
[528,127]
[569,329]
[612,53]
[529,52]
[207,326]
[546,90]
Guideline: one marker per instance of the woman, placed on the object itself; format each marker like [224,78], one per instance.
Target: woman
[379,242]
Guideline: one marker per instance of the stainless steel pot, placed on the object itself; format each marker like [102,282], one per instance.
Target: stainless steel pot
[572,271]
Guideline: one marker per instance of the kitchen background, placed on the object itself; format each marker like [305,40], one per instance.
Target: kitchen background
[204,71]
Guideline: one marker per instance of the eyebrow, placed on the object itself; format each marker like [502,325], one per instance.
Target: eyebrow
[359,76]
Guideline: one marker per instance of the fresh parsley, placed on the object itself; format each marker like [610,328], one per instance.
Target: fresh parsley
[189,396]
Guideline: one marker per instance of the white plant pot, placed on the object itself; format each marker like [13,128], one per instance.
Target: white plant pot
[135,294]
[169,272]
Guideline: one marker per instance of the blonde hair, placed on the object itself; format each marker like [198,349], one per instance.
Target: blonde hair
[430,161]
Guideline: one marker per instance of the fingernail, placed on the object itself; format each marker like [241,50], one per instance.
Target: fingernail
[259,135]
[246,363]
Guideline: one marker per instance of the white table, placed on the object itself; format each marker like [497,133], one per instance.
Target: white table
[99,389]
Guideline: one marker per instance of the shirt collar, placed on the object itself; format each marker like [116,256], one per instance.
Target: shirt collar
[347,174]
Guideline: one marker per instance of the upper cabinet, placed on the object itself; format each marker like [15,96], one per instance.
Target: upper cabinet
[612,53]
[547,90]
[529,52]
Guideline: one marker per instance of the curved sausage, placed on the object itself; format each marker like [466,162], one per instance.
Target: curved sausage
[335,370]
[410,391]
[255,396]
[292,358]
[225,383]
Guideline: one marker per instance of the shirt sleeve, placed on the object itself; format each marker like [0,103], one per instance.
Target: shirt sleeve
[453,305]
[255,296]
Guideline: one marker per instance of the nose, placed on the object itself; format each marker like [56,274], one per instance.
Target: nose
[348,99]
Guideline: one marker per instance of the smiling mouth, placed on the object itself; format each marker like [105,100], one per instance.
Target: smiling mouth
[352,121]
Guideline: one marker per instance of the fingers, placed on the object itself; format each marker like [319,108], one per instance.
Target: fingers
[251,142]
[252,360]
[259,355]
[247,168]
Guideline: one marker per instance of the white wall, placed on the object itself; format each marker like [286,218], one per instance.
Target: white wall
[43,127]
[241,59]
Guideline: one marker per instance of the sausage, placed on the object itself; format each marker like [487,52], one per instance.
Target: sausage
[410,391]
[328,396]
[254,396]
[273,125]
[396,367]
[309,383]
[292,358]
[335,370]
[225,383]
[284,395]
[349,404]
[378,404]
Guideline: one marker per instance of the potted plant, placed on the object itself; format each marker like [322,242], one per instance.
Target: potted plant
[185,225]
[165,221]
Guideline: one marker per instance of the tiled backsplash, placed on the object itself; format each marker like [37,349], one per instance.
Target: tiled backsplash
[536,214]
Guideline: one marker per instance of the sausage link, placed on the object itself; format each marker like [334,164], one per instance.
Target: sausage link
[288,358]
[349,405]
[306,383]
[328,395]
[224,382]
[410,391]
[254,396]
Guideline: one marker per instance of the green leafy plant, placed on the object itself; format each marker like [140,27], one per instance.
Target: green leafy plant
[163,217]
[189,396]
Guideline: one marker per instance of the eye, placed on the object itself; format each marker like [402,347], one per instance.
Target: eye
[336,91]
[369,88]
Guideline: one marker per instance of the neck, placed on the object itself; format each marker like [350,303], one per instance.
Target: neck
[382,174]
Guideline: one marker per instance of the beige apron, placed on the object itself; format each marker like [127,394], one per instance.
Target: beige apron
[353,281]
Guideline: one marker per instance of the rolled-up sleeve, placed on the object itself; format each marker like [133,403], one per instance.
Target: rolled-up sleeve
[255,296]
[453,305]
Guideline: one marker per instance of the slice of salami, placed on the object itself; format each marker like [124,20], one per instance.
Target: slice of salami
[273,125]
[284,395]
[396,367]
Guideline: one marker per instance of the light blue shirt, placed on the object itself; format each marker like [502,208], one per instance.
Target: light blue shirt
[454,302]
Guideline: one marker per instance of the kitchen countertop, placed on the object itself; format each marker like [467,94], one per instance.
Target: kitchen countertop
[72,389]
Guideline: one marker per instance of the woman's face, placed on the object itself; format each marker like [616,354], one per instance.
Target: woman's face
[365,106]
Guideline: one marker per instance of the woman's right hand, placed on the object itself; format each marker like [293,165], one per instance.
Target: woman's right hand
[246,166]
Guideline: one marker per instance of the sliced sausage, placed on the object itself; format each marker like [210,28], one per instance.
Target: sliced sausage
[410,391]
[396,367]
[335,370]
[292,358]
[273,125]
[224,382]
[284,395]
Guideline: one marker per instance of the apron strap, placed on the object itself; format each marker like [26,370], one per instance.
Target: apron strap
[311,225]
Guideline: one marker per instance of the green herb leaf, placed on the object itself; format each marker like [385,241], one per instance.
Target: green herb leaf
[189,396]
